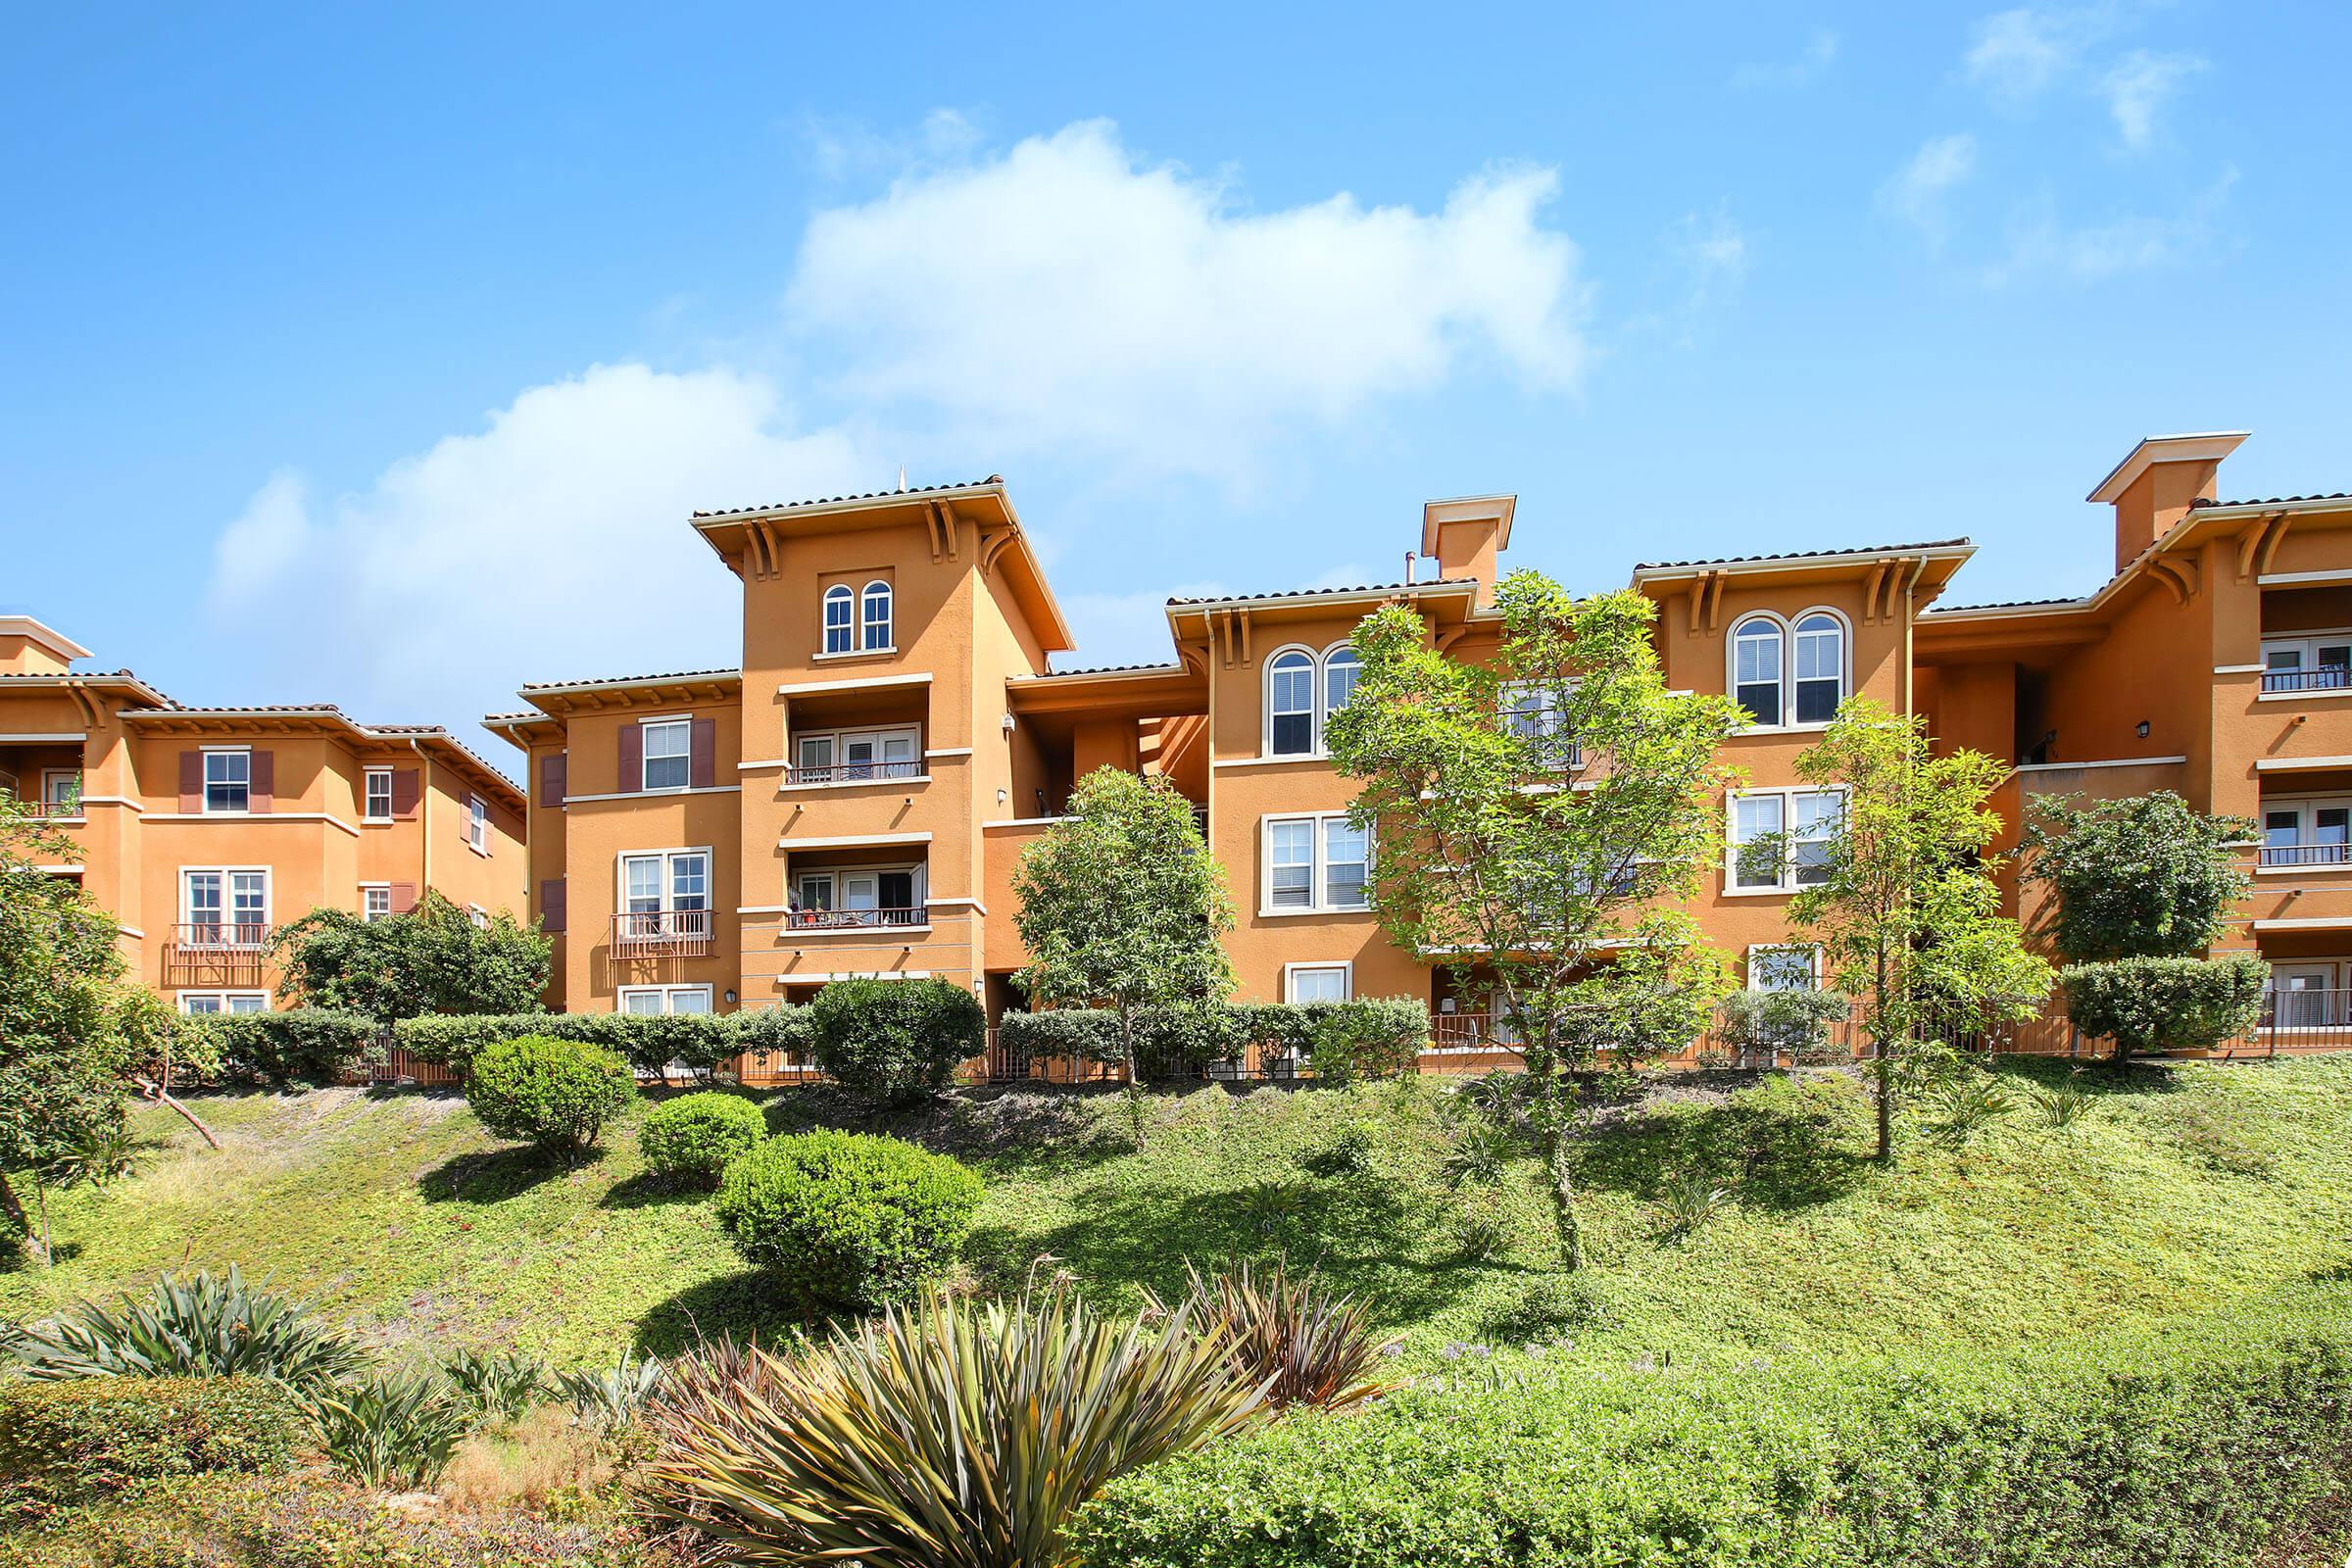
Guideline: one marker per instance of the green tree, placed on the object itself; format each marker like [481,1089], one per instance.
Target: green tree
[2143,877]
[1535,817]
[1907,912]
[67,1024]
[432,959]
[1122,906]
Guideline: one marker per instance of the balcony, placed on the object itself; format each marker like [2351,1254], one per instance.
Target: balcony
[661,934]
[816,920]
[855,772]
[220,936]
[2305,855]
[2325,678]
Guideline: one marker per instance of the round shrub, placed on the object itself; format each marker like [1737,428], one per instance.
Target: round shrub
[694,1136]
[894,1039]
[89,1437]
[848,1219]
[557,1094]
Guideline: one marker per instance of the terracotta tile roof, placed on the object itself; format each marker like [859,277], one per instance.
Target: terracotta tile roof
[1999,604]
[87,674]
[1802,554]
[627,680]
[2276,501]
[1107,670]
[1324,592]
[871,495]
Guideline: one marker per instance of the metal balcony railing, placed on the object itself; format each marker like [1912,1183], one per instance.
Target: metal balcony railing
[2306,855]
[2325,678]
[220,936]
[662,933]
[855,772]
[853,920]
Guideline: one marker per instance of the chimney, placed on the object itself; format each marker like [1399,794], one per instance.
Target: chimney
[28,648]
[2151,489]
[1466,536]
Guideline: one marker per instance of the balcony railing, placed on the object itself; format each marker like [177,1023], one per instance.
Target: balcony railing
[2325,678]
[220,936]
[2306,855]
[855,772]
[855,919]
[662,933]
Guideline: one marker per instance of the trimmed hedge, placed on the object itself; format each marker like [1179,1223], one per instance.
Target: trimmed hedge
[650,1044]
[894,1039]
[2159,1004]
[2195,1447]
[305,1045]
[86,1438]
[848,1219]
[1187,1039]
[695,1135]
[557,1094]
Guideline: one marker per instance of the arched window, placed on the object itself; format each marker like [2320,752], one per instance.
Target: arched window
[1340,671]
[1290,703]
[840,611]
[877,616]
[1820,667]
[1756,669]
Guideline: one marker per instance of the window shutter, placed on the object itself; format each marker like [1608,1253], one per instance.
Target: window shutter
[404,793]
[551,782]
[404,897]
[632,760]
[551,902]
[261,789]
[703,766]
[191,781]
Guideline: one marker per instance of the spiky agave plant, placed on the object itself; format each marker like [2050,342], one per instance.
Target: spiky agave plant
[392,1429]
[1307,1345]
[202,1326]
[948,1434]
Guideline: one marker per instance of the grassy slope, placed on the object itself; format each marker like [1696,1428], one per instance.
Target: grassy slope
[399,1211]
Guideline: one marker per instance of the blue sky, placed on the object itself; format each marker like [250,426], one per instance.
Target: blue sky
[376,357]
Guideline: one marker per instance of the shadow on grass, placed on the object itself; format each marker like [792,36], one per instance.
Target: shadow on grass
[652,1189]
[745,1307]
[499,1174]
[1781,1145]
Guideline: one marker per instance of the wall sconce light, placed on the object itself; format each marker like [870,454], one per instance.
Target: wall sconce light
[1003,797]
[730,996]
[1007,723]
[2142,730]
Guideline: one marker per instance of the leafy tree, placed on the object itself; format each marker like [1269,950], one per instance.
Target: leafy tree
[2143,877]
[1121,906]
[1535,817]
[1907,912]
[431,959]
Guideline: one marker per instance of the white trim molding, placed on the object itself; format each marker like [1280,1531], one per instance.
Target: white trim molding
[948,751]
[2299,765]
[2317,922]
[2272,579]
[2237,669]
[58,738]
[252,817]
[2111,762]
[1023,821]
[814,688]
[851,841]
[654,794]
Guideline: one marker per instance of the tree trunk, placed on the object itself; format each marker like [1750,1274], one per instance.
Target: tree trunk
[14,1207]
[1555,1149]
[1886,1068]
[40,1196]
[162,1097]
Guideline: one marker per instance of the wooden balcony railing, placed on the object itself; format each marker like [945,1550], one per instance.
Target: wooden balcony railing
[2325,678]
[661,934]
[854,772]
[220,936]
[2306,855]
[855,919]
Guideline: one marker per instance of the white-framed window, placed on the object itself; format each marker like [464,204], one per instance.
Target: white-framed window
[225,906]
[858,897]
[228,779]
[379,797]
[858,756]
[669,754]
[874,615]
[1789,674]
[208,1003]
[1791,966]
[1320,862]
[841,617]
[645,1000]
[1304,689]
[1528,709]
[477,916]
[2307,832]
[477,824]
[2308,992]
[375,901]
[1318,982]
[60,791]
[1778,840]
[659,881]
[2317,662]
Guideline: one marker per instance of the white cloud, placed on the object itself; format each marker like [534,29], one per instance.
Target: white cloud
[2139,86]
[1067,296]
[2015,55]
[1811,63]
[550,544]
[2041,242]
[1918,190]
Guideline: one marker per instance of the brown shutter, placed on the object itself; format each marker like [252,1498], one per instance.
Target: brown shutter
[261,787]
[701,768]
[404,897]
[552,769]
[552,904]
[191,782]
[632,760]
[404,793]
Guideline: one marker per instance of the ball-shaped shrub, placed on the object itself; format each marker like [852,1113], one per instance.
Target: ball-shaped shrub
[557,1094]
[848,1219]
[894,1039]
[694,1136]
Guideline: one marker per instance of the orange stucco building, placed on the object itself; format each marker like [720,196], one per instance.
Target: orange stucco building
[202,828]
[851,797]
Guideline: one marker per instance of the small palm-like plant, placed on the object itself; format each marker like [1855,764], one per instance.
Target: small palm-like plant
[616,1397]
[946,1435]
[392,1429]
[1476,1157]
[202,1326]
[2064,1106]
[1692,1201]
[500,1386]
[1272,1205]
[1306,1345]
[1965,1105]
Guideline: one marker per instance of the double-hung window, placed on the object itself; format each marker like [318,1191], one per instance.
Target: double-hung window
[375,902]
[1784,968]
[1531,714]
[1820,667]
[60,791]
[1318,982]
[2321,662]
[664,895]
[876,603]
[225,908]
[1756,670]
[1304,689]
[1788,674]
[477,824]
[1781,840]
[211,1004]
[380,795]
[228,780]
[2306,833]
[1317,863]
[669,754]
[654,1001]
[841,616]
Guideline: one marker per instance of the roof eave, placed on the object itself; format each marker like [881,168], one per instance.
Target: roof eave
[1835,561]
